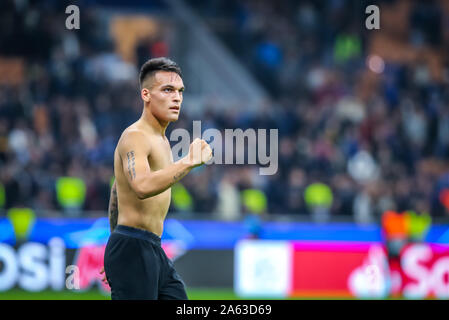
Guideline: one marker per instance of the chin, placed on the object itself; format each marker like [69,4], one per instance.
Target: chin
[173,118]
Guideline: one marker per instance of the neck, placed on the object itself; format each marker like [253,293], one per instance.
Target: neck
[151,121]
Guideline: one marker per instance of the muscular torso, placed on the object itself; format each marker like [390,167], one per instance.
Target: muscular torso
[147,214]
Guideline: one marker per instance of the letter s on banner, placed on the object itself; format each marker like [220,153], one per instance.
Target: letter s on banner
[32,257]
[410,264]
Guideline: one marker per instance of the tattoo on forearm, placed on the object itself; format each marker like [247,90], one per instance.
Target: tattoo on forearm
[113,209]
[131,164]
[180,175]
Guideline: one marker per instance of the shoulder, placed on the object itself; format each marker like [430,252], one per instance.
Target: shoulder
[132,133]
[134,138]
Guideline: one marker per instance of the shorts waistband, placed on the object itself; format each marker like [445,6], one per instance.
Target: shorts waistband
[138,233]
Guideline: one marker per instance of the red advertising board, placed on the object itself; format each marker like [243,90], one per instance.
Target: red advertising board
[363,270]
[322,269]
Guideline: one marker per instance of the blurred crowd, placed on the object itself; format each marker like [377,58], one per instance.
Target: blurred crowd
[359,134]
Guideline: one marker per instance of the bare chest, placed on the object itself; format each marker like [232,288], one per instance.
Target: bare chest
[161,155]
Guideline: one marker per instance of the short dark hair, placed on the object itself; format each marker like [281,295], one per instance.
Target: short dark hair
[157,64]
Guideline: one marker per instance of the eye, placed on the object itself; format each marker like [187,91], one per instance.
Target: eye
[168,90]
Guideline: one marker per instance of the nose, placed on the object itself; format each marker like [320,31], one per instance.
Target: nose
[177,97]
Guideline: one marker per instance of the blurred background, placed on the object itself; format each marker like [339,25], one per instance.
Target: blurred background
[359,206]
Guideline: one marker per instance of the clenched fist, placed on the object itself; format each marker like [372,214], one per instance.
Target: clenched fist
[199,152]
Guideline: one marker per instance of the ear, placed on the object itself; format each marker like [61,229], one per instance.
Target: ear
[145,94]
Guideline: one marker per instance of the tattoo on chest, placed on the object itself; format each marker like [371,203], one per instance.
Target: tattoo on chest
[131,164]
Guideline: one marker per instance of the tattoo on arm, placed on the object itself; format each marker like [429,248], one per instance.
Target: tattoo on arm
[131,164]
[180,175]
[113,208]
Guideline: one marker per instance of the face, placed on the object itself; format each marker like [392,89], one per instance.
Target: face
[164,95]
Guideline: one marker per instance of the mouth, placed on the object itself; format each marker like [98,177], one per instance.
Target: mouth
[176,108]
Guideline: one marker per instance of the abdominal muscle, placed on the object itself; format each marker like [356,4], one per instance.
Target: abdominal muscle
[147,214]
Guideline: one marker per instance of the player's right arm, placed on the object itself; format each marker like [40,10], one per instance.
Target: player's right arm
[134,149]
[113,208]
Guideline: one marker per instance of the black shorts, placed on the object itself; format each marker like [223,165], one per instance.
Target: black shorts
[137,267]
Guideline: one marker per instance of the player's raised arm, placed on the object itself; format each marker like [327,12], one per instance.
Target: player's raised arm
[134,150]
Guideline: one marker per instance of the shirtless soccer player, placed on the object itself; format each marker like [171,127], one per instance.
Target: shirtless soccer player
[136,266]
